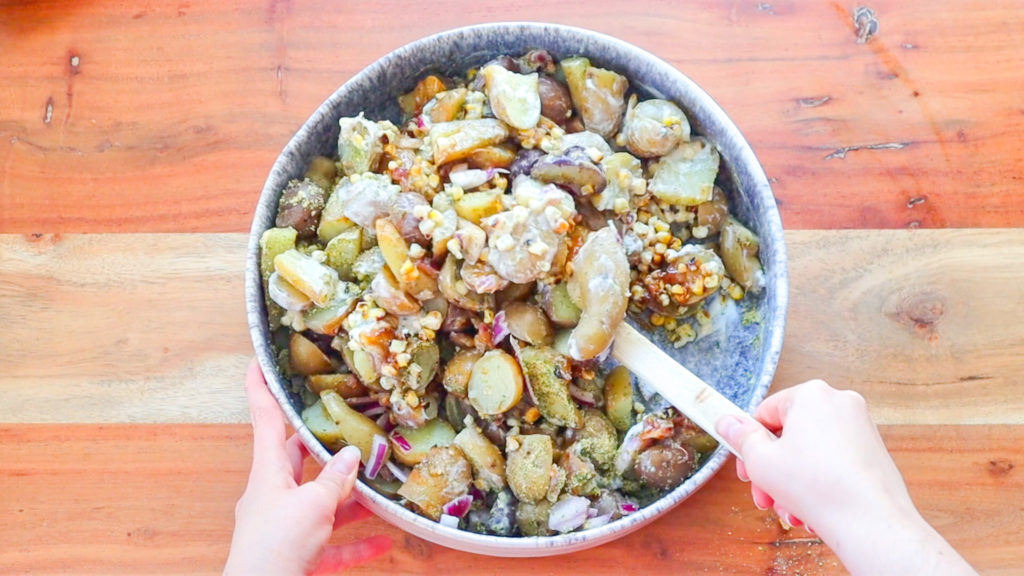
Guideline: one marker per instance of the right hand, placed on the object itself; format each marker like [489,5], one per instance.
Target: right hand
[826,466]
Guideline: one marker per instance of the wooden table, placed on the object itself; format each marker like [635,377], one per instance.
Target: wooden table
[134,140]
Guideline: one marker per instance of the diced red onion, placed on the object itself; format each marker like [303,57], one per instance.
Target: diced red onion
[384,421]
[597,521]
[628,449]
[378,454]
[476,493]
[591,512]
[374,411]
[582,396]
[421,122]
[628,508]
[500,330]
[396,470]
[401,441]
[568,514]
[449,521]
[458,507]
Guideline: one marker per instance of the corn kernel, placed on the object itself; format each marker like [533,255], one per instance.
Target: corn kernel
[397,346]
[532,415]
[403,359]
[412,399]
[657,319]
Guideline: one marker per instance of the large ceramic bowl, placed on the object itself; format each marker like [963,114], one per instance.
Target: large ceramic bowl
[739,360]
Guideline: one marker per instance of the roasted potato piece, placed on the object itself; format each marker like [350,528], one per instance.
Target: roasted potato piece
[665,466]
[456,291]
[328,319]
[498,156]
[558,305]
[555,101]
[412,102]
[475,206]
[686,175]
[343,250]
[514,98]
[532,518]
[547,375]
[446,106]
[458,139]
[322,171]
[401,212]
[442,476]
[285,295]
[361,198]
[305,357]
[411,445]
[572,169]
[390,296]
[307,275]
[625,176]
[618,398]
[346,385]
[361,143]
[320,423]
[495,383]
[600,287]
[300,206]
[739,247]
[597,440]
[654,127]
[458,371]
[599,95]
[427,356]
[488,463]
[359,361]
[481,278]
[712,215]
[273,242]
[513,293]
[357,429]
[528,323]
[528,466]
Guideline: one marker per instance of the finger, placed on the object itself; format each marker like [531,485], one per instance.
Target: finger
[741,471]
[744,433]
[761,498]
[339,475]
[787,520]
[773,410]
[267,423]
[297,453]
[350,511]
[337,558]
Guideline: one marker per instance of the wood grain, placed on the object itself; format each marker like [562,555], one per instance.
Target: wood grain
[161,117]
[151,327]
[128,499]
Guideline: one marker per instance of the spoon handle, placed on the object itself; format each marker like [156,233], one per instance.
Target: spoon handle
[683,389]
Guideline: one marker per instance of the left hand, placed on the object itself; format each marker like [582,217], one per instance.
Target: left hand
[281,526]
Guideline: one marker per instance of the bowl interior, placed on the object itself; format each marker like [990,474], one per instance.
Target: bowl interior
[738,358]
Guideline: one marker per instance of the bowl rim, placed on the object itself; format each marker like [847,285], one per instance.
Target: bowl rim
[483,543]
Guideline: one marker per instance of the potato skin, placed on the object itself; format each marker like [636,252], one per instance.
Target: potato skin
[528,465]
[301,203]
[665,466]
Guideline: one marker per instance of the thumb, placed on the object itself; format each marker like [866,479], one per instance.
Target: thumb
[339,475]
[745,434]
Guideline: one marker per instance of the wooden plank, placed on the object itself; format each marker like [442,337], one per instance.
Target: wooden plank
[151,327]
[154,498]
[925,323]
[144,135]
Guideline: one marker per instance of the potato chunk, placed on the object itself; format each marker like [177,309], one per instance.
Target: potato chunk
[442,476]
[495,384]
[528,468]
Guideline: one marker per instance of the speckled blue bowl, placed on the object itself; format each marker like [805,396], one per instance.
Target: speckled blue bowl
[739,359]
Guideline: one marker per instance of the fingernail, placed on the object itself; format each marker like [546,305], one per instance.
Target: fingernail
[786,521]
[728,426]
[346,461]
[758,505]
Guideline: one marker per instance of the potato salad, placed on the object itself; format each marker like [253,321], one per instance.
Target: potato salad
[443,293]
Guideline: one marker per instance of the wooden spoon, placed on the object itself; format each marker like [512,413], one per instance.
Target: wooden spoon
[683,389]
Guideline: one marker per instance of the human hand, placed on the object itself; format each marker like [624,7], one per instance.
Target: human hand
[282,527]
[826,465]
